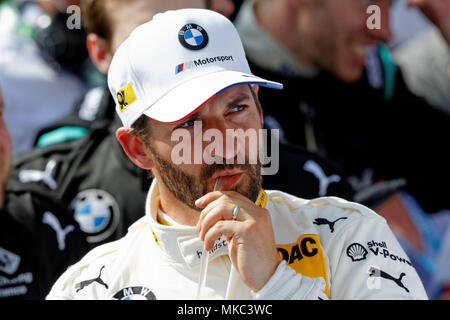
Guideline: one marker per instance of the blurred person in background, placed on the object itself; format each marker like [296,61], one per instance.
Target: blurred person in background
[41,66]
[425,62]
[38,237]
[345,98]
[425,57]
[90,171]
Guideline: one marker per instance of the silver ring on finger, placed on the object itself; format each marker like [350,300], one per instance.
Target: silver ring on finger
[236,212]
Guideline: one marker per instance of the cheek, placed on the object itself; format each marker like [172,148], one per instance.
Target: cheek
[5,140]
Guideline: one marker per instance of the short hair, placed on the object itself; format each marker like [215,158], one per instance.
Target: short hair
[97,18]
[141,128]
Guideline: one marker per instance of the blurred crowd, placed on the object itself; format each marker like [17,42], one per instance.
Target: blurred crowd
[368,104]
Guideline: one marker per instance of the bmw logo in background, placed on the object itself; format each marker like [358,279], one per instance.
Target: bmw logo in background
[193,37]
[97,213]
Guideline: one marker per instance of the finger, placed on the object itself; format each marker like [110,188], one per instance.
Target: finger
[207,210]
[222,211]
[226,228]
[231,197]
[207,198]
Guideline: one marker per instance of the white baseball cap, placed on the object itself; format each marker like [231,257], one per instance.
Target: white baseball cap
[170,66]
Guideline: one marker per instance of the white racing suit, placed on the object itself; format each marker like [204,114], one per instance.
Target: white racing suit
[330,248]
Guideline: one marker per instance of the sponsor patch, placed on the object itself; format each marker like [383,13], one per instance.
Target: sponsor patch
[202,62]
[135,293]
[80,286]
[9,262]
[374,271]
[356,252]
[125,97]
[306,257]
[193,37]
[97,213]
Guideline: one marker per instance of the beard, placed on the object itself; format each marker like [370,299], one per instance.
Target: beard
[188,188]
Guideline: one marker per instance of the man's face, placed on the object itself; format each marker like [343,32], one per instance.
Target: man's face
[5,148]
[339,37]
[235,108]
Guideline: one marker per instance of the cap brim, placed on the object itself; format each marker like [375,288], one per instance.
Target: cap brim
[184,100]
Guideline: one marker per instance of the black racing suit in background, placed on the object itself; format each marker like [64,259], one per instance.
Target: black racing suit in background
[106,192]
[38,240]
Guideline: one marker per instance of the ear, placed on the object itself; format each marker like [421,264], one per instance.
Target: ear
[255,88]
[99,52]
[134,148]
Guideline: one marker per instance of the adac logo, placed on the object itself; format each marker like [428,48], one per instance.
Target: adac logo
[193,37]
[135,293]
[306,257]
[125,97]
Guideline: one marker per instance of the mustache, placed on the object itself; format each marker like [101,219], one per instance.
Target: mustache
[210,169]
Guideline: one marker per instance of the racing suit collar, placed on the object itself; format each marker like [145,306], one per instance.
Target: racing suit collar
[181,244]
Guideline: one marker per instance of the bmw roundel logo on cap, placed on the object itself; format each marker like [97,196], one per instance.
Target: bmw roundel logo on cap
[193,37]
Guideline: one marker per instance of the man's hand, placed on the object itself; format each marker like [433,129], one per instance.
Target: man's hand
[250,237]
[438,12]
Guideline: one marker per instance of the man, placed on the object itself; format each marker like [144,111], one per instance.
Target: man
[38,237]
[346,100]
[187,68]
[92,173]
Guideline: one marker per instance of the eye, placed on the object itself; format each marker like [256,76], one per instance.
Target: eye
[187,124]
[237,109]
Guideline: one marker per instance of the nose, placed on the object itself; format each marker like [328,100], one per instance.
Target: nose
[223,142]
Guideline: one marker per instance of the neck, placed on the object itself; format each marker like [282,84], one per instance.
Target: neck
[176,209]
[285,31]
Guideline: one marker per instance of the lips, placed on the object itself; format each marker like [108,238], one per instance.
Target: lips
[228,179]
[358,53]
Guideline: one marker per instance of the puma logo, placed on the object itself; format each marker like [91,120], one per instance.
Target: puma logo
[374,272]
[61,234]
[322,221]
[324,181]
[46,176]
[82,284]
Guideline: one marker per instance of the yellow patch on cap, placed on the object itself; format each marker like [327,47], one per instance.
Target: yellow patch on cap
[125,97]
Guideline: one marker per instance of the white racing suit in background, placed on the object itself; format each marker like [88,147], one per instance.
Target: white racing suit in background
[330,248]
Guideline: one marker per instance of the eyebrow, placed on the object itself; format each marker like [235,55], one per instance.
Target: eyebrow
[238,99]
[232,103]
